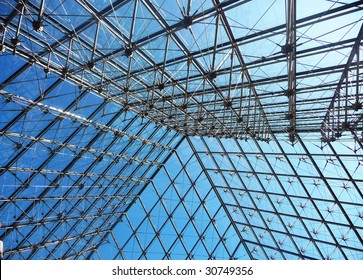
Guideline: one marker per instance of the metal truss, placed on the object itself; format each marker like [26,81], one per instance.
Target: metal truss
[345,110]
[147,129]
[206,108]
[194,101]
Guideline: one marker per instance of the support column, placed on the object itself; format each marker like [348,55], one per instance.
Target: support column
[290,51]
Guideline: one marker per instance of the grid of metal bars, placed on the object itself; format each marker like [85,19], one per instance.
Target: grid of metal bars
[256,201]
[181,129]
[182,102]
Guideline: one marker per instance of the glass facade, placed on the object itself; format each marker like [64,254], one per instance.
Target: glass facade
[149,129]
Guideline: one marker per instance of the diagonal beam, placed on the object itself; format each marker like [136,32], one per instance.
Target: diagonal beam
[336,119]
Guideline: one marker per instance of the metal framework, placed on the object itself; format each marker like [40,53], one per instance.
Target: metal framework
[149,129]
[345,110]
[248,201]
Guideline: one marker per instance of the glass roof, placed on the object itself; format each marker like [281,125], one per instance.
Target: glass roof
[205,129]
[231,199]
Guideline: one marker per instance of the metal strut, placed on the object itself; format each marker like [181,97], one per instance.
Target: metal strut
[290,51]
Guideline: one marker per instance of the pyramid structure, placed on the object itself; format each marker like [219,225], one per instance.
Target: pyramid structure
[150,129]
